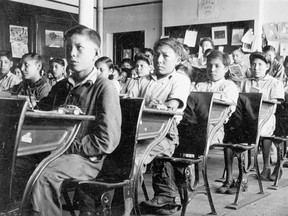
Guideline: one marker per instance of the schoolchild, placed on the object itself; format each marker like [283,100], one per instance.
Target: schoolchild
[96,96]
[225,90]
[164,88]
[57,70]
[7,78]
[272,89]
[276,70]
[105,66]
[33,85]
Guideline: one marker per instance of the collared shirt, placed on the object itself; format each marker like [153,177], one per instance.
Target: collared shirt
[173,86]
[39,89]
[92,76]
[9,81]
[95,96]
[270,87]
[226,89]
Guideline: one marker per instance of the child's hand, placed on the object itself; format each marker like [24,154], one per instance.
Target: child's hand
[154,102]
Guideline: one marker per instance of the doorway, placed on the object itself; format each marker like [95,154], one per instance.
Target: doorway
[127,44]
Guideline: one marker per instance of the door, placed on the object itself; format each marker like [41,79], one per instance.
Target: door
[127,44]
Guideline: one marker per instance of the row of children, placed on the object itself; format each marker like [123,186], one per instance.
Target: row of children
[96,95]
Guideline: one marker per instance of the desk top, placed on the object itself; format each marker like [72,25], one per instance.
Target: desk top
[55,115]
[161,112]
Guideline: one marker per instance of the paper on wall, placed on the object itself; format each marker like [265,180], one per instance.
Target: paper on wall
[248,37]
[18,49]
[270,31]
[283,49]
[190,38]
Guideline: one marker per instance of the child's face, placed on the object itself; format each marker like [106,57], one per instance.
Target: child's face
[81,53]
[126,65]
[237,57]
[270,55]
[5,65]
[165,59]
[259,68]
[30,69]
[123,77]
[216,69]
[18,72]
[103,69]
[142,68]
[57,69]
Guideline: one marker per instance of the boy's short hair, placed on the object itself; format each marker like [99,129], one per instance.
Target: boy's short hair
[258,55]
[239,50]
[221,55]
[148,50]
[7,54]
[143,57]
[57,60]
[268,48]
[36,57]
[206,39]
[128,60]
[105,60]
[171,42]
[83,30]
[126,70]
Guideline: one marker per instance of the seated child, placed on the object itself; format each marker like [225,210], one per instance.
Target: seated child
[104,66]
[57,70]
[94,95]
[143,67]
[33,85]
[276,70]
[237,56]
[271,89]
[217,66]
[7,78]
[164,87]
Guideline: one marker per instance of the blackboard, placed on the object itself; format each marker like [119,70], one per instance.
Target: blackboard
[204,30]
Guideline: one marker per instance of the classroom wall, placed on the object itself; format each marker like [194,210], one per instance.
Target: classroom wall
[185,12]
[145,17]
[275,11]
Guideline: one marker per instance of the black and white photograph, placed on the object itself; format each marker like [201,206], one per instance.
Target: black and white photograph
[143,107]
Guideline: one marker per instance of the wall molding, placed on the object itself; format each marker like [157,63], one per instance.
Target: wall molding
[109,8]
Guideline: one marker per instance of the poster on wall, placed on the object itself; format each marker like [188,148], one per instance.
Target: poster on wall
[190,38]
[54,38]
[283,30]
[219,35]
[270,31]
[237,35]
[284,49]
[208,9]
[18,34]
[19,40]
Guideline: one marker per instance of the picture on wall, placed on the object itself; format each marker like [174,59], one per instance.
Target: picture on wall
[127,53]
[54,38]
[19,40]
[237,35]
[219,35]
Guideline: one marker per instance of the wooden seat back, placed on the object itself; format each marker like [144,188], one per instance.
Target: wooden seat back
[12,114]
[118,165]
[244,124]
[194,127]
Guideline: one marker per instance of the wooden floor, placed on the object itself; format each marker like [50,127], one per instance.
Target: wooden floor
[275,202]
